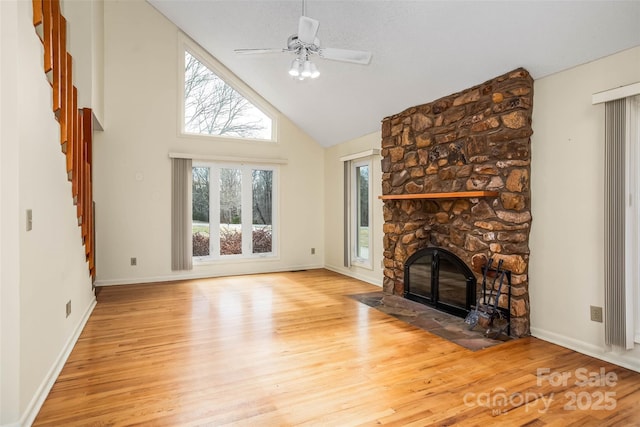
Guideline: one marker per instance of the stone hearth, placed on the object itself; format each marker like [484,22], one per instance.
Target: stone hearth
[436,322]
[477,139]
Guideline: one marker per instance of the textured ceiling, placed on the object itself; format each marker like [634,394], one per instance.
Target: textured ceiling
[422,50]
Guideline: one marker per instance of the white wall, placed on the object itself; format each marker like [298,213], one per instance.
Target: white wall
[133,216]
[334,209]
[9,222]
[567,172]
[85,32]
[43,268]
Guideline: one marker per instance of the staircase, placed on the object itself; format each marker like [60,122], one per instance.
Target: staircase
[76,128]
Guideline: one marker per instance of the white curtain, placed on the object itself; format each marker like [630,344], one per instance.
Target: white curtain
[181,240]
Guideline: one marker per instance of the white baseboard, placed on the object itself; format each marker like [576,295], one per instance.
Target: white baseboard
[626,360]
[207,274]
[345,271]
[196,275]
[43,391]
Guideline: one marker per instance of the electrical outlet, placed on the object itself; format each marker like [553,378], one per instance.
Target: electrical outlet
[596,313]
[29,220]
[313,251]
[68,308]
[134,261]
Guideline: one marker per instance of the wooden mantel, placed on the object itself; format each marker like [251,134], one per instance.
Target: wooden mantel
[453,195]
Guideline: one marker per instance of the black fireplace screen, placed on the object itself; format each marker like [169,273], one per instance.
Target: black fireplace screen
[437,277]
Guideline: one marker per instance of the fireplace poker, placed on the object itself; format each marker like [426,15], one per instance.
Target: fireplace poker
[472,317]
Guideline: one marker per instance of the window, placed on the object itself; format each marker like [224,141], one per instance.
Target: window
[358,202]
[360,213]
[233,211]
[211,106]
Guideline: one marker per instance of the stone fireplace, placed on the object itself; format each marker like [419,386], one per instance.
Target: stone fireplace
[474,144]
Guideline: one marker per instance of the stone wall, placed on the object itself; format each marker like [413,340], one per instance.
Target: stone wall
[478,139]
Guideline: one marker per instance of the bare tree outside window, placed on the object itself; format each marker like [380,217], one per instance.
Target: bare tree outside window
[213,107]
[262,194]
[362,238]
[200,194]
[230,196]
[230,211]
[200,210]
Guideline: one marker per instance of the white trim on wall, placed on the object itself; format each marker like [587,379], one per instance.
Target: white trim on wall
[231,159]
[616,93]
[360,155]
[195,274]
[354,274]
[620,359]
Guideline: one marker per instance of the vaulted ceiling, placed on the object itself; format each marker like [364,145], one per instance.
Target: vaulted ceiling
[422,50]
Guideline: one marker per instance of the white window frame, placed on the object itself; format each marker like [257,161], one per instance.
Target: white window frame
[246,214]
[354,212]
[185,44]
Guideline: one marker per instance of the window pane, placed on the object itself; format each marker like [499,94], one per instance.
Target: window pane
[213,107]
[262,225]
[230,211]
[362,221]
[200,211]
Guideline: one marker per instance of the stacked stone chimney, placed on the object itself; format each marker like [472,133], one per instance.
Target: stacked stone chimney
[478,139]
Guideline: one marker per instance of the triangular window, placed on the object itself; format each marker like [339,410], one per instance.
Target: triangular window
[213,107]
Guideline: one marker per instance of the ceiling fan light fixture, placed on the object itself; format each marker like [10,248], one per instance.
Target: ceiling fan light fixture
[302,69]
[309,70]
[314,71]
[306,69]
[296,68]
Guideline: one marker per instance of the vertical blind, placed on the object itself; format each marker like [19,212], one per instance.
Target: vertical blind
[181,245]
[614,218]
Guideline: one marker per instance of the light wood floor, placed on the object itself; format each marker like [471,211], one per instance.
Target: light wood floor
[291,349]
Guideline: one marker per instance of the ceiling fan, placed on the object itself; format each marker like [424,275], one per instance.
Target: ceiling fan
[305,44]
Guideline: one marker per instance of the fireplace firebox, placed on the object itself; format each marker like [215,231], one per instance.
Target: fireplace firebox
[436,277]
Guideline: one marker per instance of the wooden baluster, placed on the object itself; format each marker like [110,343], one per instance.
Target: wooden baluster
[86,221]
[79,167]
[74,137]
[37,18]
[88,190]
[47,39]
[57,56]
[87,130]
[70,145]
[88,137]
[65,65]
[89,237]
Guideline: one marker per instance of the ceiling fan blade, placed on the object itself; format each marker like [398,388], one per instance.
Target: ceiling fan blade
[258,51]
[345,55]
[307,29]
